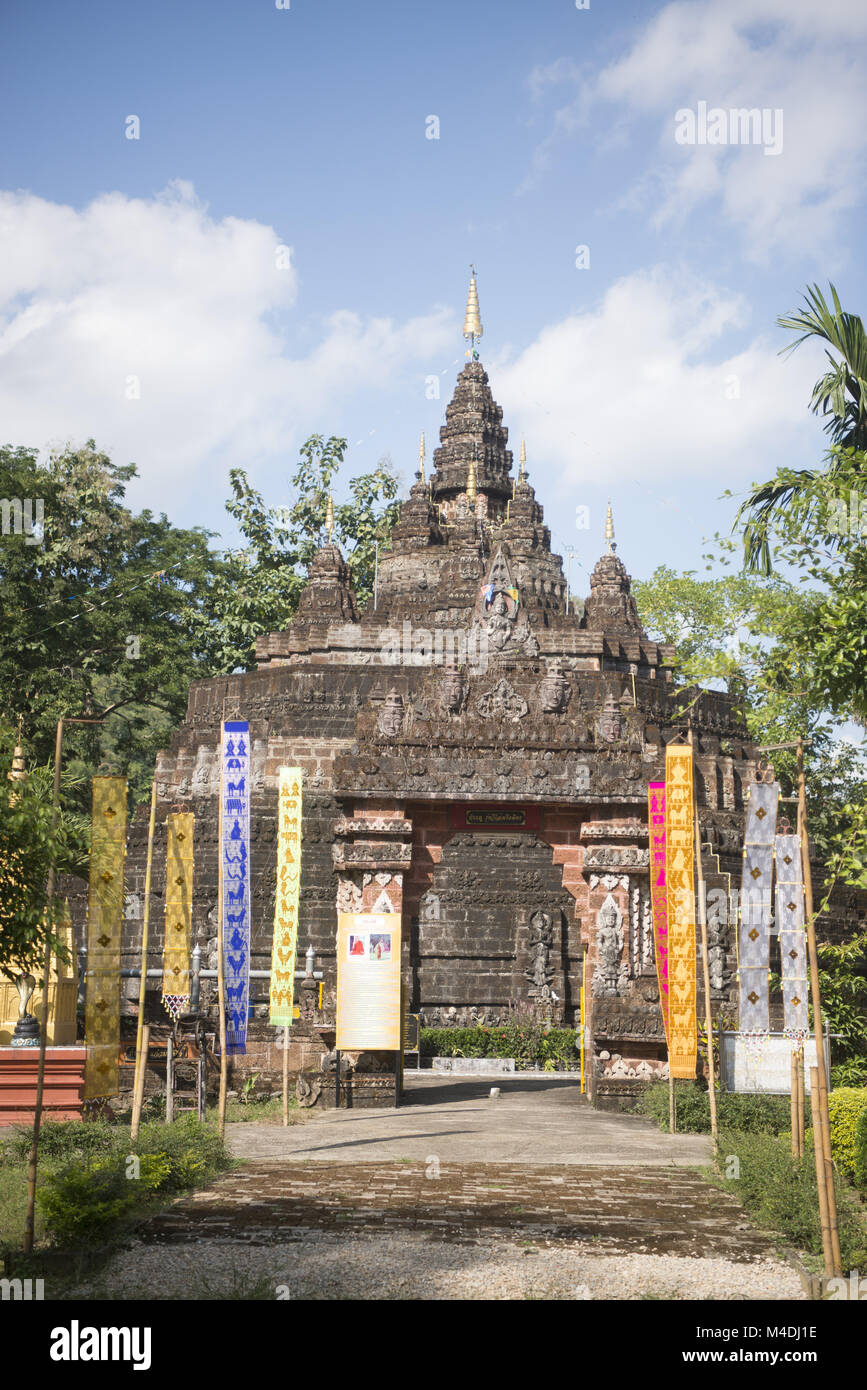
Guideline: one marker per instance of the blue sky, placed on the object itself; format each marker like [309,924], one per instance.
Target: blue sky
[141,299]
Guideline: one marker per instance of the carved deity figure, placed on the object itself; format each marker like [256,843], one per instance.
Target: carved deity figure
[499,626]
[610,725]
[390,721]
[607,978]
[452,690]
[554,691]
[541,972]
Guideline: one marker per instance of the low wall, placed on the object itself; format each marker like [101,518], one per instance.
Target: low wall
[64,1083]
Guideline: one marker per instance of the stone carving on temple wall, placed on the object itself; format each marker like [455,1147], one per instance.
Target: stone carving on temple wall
[616,856]
[541,971]
[611,973]
[453,690]
[609,881]
[609,725]
[348,895]
[502,702]
[607,830]
[555,690]
[390,721]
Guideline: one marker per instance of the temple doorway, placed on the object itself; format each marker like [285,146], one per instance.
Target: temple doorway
[495,931]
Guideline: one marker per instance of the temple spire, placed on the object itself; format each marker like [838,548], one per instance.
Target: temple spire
[329,517]
[523,462]
[472,320]
[421,458]
[610,543]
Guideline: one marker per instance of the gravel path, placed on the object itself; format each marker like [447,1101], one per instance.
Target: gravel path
[323,1265]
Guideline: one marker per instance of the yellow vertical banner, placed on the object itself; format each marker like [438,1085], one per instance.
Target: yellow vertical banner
[287,897]
[179,912]
[104,928]
[368,981]
[680,886]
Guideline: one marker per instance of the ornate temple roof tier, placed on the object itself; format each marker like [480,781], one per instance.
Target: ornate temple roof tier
[611,606]
[473,421]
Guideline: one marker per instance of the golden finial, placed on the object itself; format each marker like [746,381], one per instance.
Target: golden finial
[421,457]
[329,517]
[471,481]
[472,321]
[610,545]
[523,460]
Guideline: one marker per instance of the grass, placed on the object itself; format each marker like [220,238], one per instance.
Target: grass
[779,1193]
[89,1198]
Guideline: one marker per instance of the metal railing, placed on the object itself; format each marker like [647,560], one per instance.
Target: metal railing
[197,974]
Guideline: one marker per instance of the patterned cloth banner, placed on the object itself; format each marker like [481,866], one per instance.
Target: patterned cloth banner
[104,928]
[179,913]
[287,897]
[793,934]
[680,885]
[658,894]
[235,879]
[755,910]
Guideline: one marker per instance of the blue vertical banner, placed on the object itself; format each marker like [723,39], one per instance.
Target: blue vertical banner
[235,875]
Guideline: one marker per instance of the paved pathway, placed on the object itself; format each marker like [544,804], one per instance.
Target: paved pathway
[653,1211]
[457,1196]
[535,1120]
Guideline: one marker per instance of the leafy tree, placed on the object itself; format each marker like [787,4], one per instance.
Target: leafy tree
[750,636]
[97,612]
[109,608]
[258,586]
[840,397]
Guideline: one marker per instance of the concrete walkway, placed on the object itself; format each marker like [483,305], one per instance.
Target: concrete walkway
[536,1120]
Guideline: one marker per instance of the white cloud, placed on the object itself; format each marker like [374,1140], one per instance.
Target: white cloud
[642,388]
[797,56]
[159,291]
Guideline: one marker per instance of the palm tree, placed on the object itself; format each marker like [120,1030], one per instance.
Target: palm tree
[840,396]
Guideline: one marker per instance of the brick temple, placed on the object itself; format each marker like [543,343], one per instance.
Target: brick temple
[476,747]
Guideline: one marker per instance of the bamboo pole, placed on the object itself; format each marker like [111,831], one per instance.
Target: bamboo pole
[793,1101]
[285,1077]
[170,1089]
[702,917]
[827,1250]
[138,1089]
[221,1006]
[823,1146]
[801,1100]
[138,1083]
[672,1108]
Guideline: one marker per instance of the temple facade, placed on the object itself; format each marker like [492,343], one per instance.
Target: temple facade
[476,747]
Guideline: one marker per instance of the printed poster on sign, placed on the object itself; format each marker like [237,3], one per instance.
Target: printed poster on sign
[368,981]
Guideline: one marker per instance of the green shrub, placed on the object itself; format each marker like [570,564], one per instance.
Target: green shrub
[524,1040]
[83,1201]
[779,1192]
[81,1205]
[67,1139]
[860,1173]
[749,1114]
[851,1073]
[845,1108]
